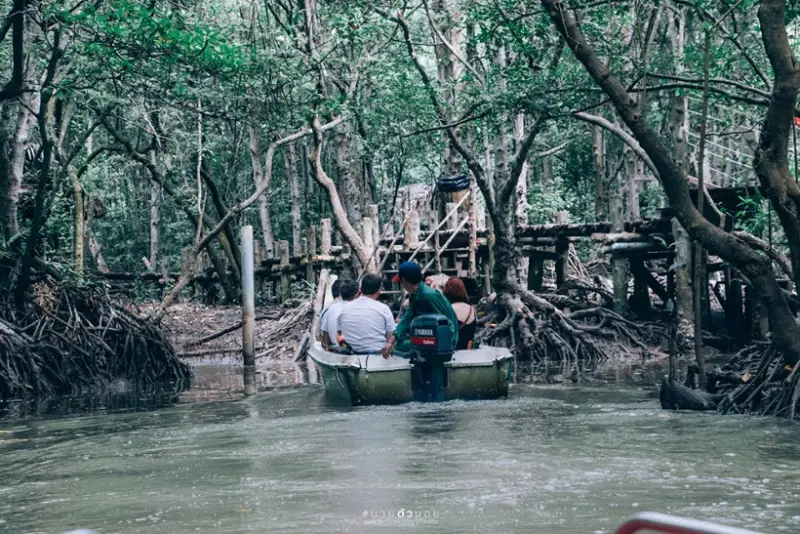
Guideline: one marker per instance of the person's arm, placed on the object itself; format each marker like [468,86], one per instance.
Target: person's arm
[390,329]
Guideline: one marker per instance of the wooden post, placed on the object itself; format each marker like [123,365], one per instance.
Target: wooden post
[749,314]
[326,237]
[641,294]
[619,271]
[562,251]
[319,303]
[412,230]
[369,241]
[311,247]
[311,251]
[286,285]
[248,310]
[562,263]
[535,272]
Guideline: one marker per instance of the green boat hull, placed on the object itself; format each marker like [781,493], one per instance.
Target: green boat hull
[370,379]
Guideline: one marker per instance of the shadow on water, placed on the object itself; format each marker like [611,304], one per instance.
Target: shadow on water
[212,381]
[118,398]
[433,423]
[223,380]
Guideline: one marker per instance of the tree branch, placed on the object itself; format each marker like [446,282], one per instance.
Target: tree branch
[472,162]
[240,206]
[729,247]
[721,81]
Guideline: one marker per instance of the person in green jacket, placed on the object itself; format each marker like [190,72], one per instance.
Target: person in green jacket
[422,300]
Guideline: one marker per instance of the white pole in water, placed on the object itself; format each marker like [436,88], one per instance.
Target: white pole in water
[248,310]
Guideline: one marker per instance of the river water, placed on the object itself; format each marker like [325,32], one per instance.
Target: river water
[549,459]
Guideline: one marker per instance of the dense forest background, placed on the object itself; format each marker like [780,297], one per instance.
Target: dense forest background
[147,113]
[137,135]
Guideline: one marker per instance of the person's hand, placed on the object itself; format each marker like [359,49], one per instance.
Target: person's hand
[386,350]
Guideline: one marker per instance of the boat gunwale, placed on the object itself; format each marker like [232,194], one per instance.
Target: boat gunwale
[403,365]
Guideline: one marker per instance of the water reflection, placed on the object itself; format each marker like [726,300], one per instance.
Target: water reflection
[548,459]
[560,459]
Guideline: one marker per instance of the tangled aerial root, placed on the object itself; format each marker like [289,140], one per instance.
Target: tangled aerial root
[758,381]
[74,339]
[559,327]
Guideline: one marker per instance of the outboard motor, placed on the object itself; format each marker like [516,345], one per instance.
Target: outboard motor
[432,344]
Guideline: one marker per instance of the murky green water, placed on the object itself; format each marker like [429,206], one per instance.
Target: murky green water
[554,459]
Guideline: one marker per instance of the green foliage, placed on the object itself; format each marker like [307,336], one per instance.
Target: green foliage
[159,68]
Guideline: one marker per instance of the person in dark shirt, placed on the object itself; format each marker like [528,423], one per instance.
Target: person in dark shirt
[422,300]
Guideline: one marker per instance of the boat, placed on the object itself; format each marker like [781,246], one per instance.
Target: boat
[669,524]
[364,379]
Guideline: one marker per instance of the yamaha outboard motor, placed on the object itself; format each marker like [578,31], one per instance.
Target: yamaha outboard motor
[433,345]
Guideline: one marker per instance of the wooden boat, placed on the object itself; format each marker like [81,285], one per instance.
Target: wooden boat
[359,379]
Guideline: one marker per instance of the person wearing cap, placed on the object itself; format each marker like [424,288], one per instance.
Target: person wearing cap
[422,300]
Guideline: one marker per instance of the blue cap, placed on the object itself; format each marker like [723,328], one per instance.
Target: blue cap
[408,271]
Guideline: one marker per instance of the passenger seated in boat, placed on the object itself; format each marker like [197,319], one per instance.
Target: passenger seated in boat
[422,300]
[366,324]
[329,321]
[456,293]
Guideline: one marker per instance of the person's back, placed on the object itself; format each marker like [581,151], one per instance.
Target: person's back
[330,319]
[456,293]
[365,323]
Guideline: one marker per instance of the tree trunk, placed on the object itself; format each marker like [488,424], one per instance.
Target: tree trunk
[683,290]
[521,193]
[263,200]
[339,212]
[771,162]
[678,140]
[349,167]
[289,163]
[79,220]
[9,195]
[155,219]
[619,267]
[631,186]
[448,20]
[547,173]
[599,159]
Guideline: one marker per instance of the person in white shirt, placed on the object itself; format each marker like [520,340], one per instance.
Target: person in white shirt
[329,322]
[366,324]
